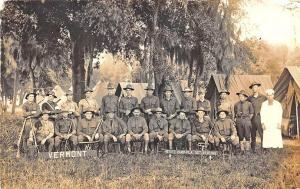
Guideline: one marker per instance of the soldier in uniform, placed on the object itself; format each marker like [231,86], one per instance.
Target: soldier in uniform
[188,102]
[127,103]
[65,129]
[114,129]
[202,129]
[149,102]
[31,112]
[202,102]
[256,100]
[88,102]
[50,105]
[224,104]
[110,101]
[243,112]
[169,104]
[42,132]
[137,129]
[180,129]
[89,127]
[225,131]
[158,128]
[70,105]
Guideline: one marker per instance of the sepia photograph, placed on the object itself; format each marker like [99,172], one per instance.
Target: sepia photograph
[150,94]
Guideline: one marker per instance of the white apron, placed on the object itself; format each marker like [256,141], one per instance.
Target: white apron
[271,116]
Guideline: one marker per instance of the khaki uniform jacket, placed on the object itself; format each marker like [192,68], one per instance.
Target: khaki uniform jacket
[85,104]
[43,129]
[28,107]
[158,124]
[179,126]
[109,103]
[64,126]
[71,106]
[170,106]
[149,102]
[137,125]
[225,127]
[116,126]
[127,103]
[189,104]
[200,128]
[88,127]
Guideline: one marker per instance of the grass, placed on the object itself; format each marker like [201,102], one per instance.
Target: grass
[276,169]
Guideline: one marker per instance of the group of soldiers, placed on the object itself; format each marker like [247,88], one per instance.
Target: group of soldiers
[152,122]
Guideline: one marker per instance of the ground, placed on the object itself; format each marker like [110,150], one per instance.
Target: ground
[276,169]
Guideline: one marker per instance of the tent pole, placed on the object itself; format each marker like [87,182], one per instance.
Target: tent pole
[297,119]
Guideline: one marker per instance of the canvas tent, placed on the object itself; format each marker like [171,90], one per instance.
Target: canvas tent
[99,91]
[236,83]
[287,92]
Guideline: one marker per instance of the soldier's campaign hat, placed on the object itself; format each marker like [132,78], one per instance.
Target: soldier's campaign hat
[254,83]
[149,87]
[136,108]
[128,86]
[182,110]
[223,110]
[52,93]
[45,112]
[26,96]
[69,93]
[155,110]
[201,109]
[110,86]
[224,91]
[110,111]
[88,90]
[242,92]
[168,88]
[63,110]
[89,110]
[187,89]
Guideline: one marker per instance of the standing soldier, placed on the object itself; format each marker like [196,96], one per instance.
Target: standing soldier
[256,99]
[89,128]
[114,129]
[50,105]
[180,129]
[149,102]
[225,131]
[127,103]
[137,129]
[188,102]
[42,132]
[202,128]
[31,112]
[71,106]
[224,103]
[88,102]
[158,128]
[109,101]
[202,102]
[169,104]
[65,130]
[243,112]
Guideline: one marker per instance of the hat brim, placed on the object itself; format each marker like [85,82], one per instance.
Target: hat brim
[128,88]
[88,91]
[226,112]
[226,92]
[136,109]
[242,94]
[26,97]
[251,86]
[51,95]
[89,111]
[187,91]
[149,89]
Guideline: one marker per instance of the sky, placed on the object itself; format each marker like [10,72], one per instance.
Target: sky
[272,21]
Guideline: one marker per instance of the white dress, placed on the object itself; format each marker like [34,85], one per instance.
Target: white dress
[271,117]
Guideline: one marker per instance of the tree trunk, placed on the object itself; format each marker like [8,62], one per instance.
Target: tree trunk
[191,66]
[78,71]
[15,92]
[199,69]
[90,68]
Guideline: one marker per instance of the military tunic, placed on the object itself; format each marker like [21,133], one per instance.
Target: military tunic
[170,106]
[109,103]
[126,104]
[87,104]
[225,128]
[158,126]
[180,126]
[243,113]
[65,126]
[114,127]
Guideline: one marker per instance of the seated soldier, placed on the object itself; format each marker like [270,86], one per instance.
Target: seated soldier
[42,132]
[202,127]
[65,130]
[114,128]
[137,129]
[89,127]
[158,127]
[180,129]
[225,131]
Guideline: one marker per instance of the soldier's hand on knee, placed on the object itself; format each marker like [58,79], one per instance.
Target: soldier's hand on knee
[203,137]
[43,141]
[97,136]
[89,138]
[232,137]
[223,139]
[115,139]
[159,137]
[30,139]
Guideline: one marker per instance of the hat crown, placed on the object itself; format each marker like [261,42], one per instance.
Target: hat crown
[110,85]
[168,88]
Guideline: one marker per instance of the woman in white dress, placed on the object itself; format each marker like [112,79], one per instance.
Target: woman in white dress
[271,117]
